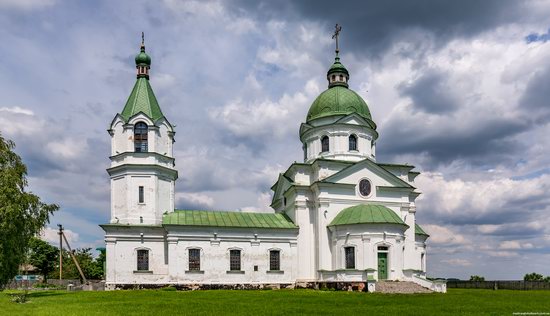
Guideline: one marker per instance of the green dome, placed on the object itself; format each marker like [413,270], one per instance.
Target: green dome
[337,67]
[367,214]
[143,58]
[338,100]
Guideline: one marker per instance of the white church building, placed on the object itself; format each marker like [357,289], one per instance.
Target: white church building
[338,218]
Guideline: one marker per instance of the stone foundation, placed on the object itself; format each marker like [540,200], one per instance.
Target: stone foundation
[327,286]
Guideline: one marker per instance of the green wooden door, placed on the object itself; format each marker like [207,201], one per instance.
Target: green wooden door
[382,266]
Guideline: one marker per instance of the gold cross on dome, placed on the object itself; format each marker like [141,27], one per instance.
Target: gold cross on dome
[337,30]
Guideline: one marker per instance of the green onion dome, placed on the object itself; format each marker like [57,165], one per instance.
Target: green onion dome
[142,58]
[338,100]
[337,67]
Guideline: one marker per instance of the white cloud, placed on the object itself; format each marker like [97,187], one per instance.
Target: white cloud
[17,110]
[266,118]
[51,235]
[198,199]
[26,4]
[457,262]
[444,236]
[67,148]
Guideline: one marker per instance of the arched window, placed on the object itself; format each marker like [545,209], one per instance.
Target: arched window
[140,137]
[341,78]
[143,260]
[274,260]
[352,142]
[324,144]
[349,255]
[305,152]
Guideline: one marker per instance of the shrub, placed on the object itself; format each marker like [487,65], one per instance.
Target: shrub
[533,277]
[20,297]
[477,278]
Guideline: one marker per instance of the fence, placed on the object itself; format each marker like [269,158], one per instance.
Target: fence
[500,285]
[27,284]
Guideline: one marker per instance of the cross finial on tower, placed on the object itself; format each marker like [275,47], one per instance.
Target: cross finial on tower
[337,30]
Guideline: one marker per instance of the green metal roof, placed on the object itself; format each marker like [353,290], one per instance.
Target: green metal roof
[419,231]
[366,214]
[142,99]
[227,219]
[337,67]
[338,100]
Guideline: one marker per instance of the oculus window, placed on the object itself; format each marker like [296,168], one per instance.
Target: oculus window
[365,187]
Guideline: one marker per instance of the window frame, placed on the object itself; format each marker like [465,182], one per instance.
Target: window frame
[275,262]
[325,142]
[141,194]
[349,257]
[235,264]
[141,138]
[194,260]
[355,142]
[142,260]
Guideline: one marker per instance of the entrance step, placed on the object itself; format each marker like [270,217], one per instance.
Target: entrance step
[400,287]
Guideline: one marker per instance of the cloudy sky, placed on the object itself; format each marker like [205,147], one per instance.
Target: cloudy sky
[460,89]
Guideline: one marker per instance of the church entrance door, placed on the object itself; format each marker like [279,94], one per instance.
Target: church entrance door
[382,265]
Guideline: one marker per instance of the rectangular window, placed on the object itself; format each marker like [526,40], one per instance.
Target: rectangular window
[235,260]
[143,260]
[274,260]
[350,257]
[194,259]
[141,195]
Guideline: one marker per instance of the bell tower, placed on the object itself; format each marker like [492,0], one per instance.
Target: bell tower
[142,168]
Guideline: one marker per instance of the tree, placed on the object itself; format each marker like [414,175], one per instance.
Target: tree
[22,214]
[43,256]
[477,278]
[92,268]
[533,277]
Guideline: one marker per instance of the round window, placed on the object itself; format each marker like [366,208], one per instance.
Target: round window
[365,187]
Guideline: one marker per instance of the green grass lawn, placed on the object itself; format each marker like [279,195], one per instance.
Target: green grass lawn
[276,302]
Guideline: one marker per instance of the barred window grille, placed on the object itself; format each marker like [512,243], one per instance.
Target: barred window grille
[274,260]
[235,260]
[350,257]
[143,260]
[324,144]
[194,259]
[352,142]
[140,137]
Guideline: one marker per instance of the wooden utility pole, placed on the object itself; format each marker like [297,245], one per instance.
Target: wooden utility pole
[60,233]
[74,259]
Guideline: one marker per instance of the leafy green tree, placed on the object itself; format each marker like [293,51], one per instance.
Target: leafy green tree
[22,214]
[43,256]
[547,279]
[533,277]
[92,268]
[477,278]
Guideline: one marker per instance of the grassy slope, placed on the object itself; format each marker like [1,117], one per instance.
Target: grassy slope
[282,302]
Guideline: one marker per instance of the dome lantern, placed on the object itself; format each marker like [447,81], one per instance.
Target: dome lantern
[337,75]
[143,61]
